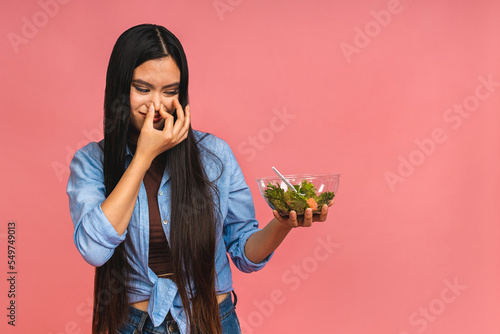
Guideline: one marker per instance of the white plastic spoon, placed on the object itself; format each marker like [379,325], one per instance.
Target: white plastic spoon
[285,180]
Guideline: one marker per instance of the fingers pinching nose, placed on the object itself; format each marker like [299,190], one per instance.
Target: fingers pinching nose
[163,110]
[150,112]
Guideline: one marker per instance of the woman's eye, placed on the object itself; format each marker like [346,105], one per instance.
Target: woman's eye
[172,92]
[142,90]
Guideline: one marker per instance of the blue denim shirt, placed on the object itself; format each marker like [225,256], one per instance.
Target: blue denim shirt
[96,238]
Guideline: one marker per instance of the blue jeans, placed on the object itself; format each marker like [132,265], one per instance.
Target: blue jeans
[139,322]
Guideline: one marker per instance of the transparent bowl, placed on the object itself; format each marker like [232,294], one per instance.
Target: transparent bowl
[314,191]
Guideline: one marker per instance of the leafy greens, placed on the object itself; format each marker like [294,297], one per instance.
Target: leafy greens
[305,197]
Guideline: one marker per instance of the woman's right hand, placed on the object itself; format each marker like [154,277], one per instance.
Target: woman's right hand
[152,142]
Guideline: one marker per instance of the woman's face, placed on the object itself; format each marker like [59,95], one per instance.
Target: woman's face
[154,81]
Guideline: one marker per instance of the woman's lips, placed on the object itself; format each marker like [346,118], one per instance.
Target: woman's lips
[156,119]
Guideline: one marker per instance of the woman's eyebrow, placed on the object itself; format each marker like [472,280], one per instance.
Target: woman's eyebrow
[147,84]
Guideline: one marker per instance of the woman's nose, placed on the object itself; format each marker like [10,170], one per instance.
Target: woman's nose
[156,101]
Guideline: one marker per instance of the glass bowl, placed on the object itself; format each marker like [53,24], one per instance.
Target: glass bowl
[314,190]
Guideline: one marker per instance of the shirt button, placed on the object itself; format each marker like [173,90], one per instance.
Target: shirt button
[160,193]
[165,221]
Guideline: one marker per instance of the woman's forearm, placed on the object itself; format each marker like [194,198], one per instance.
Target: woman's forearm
[264,242]
[119,205]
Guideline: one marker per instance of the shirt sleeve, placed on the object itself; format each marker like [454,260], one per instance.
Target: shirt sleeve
[94,236]
[240,222]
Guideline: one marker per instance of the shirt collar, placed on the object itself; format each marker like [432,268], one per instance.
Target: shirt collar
[128,151]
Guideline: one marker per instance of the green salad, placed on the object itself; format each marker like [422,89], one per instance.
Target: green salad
[305,197]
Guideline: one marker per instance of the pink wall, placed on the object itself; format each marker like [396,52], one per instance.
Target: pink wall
[401,97]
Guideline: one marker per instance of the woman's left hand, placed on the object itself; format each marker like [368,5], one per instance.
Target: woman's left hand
[303,221]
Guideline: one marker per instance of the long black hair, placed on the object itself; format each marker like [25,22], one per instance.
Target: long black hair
[193,210]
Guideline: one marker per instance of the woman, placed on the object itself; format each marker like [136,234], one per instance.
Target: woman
[157,206]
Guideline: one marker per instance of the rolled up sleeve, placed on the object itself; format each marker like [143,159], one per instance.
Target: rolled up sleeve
[240,222]
[94,236]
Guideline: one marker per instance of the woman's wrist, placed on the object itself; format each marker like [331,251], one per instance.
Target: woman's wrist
[142,162]
[281,226]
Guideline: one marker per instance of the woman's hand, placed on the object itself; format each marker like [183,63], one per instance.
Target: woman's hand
[303,221]
[152,142]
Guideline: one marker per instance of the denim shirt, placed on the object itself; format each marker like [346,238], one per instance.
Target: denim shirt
[96,239]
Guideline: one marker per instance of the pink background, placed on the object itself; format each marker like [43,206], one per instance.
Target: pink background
[417,208]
